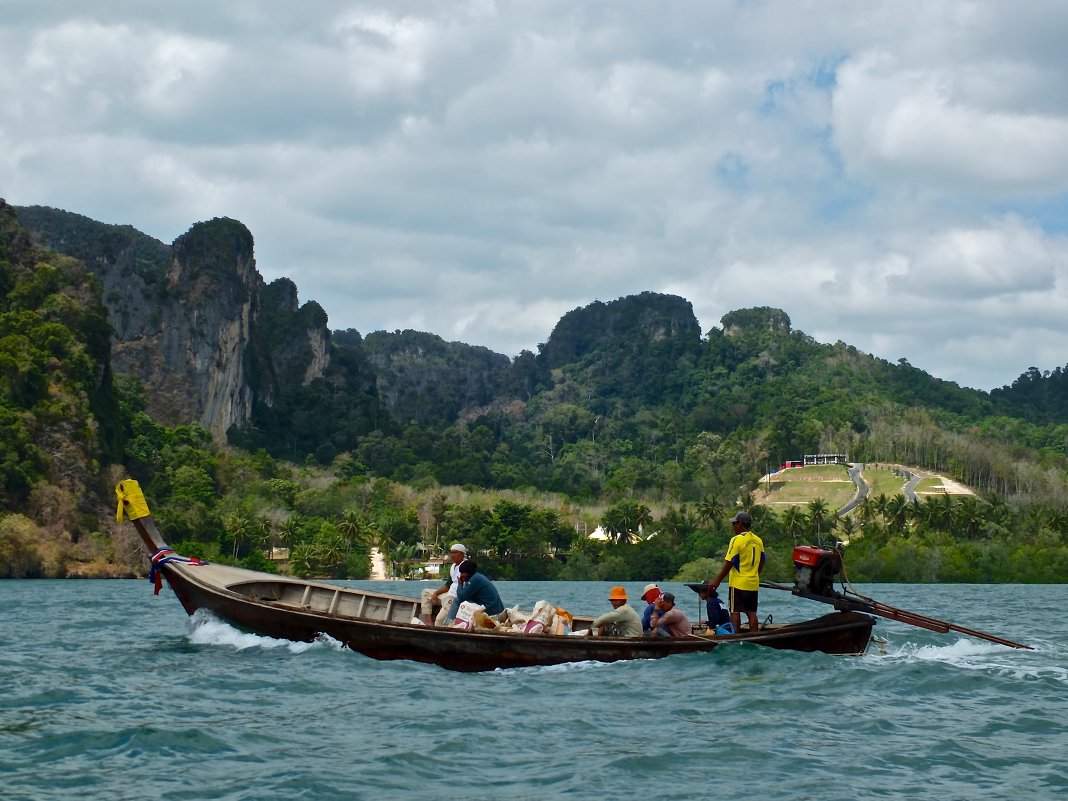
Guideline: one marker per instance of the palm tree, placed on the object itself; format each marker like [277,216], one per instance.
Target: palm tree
[793,522]
[849,528]
[937,513]
[972,515]
[288,531]
[867,510]
[616,522]
[331,550]
[710,510]
[817,515]
[387,530]
[402,555]
[676,524]
[1057,520]
[350,527]
[262,530]
[238,527]
[881,505]
[897,512]
[643,518]
[625,519]
[302,559]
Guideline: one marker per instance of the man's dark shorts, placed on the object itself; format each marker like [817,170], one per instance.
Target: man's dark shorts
[743,600]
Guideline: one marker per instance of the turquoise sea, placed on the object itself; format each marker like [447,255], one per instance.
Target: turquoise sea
[107,692]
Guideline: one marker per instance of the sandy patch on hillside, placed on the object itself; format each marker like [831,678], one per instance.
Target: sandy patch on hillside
[949,487]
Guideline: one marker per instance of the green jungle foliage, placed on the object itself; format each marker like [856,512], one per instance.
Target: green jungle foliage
[58,413]
[627,419]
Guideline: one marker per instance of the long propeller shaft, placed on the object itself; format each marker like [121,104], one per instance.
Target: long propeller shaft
[847,603]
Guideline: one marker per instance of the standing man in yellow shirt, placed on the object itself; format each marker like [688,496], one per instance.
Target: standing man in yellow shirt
[744,561]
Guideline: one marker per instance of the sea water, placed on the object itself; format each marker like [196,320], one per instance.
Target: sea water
[107,692]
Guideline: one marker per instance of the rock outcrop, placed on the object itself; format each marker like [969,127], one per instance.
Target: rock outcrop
[636,321]
[422,377]
[185,316]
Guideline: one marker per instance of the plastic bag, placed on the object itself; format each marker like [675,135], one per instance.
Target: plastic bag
[562,622]
[483,621]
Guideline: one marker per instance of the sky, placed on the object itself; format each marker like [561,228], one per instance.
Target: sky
[893,174]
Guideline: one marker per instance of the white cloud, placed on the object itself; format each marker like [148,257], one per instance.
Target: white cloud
[892,174]
[945,128]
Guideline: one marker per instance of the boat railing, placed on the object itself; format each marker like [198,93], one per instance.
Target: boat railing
[333,601]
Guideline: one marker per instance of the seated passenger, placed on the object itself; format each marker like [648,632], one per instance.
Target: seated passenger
[444,594]
[477,589]
[717,614]
[667,620]
[622,621]
[649,595]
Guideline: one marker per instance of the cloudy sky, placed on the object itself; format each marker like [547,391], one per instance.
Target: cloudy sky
[891,174]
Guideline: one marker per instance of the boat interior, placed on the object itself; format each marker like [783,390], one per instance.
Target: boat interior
[327,600]
[339,601]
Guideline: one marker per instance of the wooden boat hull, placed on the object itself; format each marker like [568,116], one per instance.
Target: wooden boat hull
[379,624]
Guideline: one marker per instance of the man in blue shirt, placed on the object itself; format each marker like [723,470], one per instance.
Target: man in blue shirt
[649,595]
[477,589]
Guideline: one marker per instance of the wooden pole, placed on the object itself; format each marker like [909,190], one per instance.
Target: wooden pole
[845,603]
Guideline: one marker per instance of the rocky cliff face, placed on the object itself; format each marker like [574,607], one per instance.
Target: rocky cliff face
[183,315]
[291,343]
[194,362]
[194,320]
[422,377]
[636,321]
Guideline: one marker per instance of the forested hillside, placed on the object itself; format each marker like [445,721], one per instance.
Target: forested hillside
[59,415]
[627,418]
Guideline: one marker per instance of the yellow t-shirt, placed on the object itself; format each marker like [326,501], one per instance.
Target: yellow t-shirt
[745,553]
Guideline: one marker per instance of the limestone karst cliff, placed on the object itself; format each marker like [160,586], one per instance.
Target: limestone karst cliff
[185,316]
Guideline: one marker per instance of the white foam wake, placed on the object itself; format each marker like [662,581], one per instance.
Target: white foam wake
[206,629]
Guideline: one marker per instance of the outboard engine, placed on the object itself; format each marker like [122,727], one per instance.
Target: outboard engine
[815,569]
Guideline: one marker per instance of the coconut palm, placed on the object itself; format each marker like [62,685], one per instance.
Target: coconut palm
[881,504]
[330,547]
[288,531]
[848,527]
[351,528]
[262,532]
[710,510]
[867,510]
[302,559]
[237,527]
[793,522]
[624,520]
[898,511]
[401,557]
[818,513]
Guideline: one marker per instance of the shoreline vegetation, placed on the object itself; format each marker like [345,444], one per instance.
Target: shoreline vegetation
[326,528]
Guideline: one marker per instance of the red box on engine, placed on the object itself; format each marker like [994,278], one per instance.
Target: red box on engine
[809,555]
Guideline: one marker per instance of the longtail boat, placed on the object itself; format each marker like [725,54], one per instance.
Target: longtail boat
[380,625]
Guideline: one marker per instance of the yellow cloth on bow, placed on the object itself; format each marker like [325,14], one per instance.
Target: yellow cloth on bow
[131,500]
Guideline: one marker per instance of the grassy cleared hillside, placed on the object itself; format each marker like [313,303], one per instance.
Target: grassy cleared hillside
[799,486]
